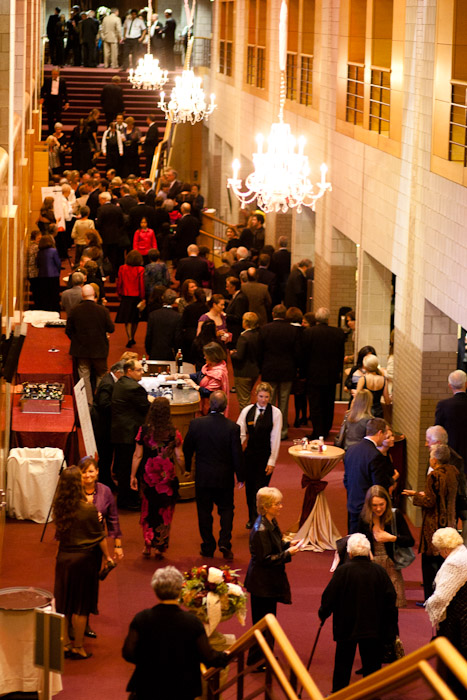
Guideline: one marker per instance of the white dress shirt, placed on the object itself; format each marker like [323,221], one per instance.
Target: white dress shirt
[275,432]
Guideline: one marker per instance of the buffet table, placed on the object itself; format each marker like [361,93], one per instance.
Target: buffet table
[38,364]
[315,526]
[46,429]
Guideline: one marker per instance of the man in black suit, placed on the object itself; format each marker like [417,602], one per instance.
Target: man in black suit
[55,97]
[142,210]
[265,276]
[97,186]
[323,354]
[101,414]
[164,331]
[193,267]
[112,101]
[280,265]
[259,299]
[297,284]
[168,32]
[279,357]
[87,327]
[365,466]
[237,306]
[452,413]
[52,35]
[216,442]
[110,224]
[253,236]
[150,141]
[87,30]
[186,233]
[126,201]
[130,404]
[243,261]
[362,600]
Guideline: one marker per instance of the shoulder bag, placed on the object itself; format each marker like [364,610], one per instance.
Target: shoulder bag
[403,556]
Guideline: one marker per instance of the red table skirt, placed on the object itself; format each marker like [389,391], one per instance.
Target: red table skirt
[37,364]
[46,429]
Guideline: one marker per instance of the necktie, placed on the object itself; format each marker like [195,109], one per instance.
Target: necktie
[261,414]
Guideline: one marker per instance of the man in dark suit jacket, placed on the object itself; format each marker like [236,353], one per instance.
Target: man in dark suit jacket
[164,331]
[216,442]
[362,600]
[130,404]
[150,141]
[245,359]
[112,101]
[110,224]
[259,299]
[279,360]
[126,201]
[168,32]
[243,261]
[296,287]
[175,186]
[87,30]
[101,415]
[280,265]
[365,466]
[193,267]
[97,187]
[87,327]
[452,414]
[55,97]
[253,236]
[237,306]
[265,276]
[186,233]
[323,357]
[142,210]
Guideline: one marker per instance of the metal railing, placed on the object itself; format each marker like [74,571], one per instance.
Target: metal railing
[425,673]
[355,90]
[458,122]
[380,97]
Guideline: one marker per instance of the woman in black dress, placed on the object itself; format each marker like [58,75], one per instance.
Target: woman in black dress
[92,122]
[81,546]
[266,579]
[130,165]
[82,147]
[112,147]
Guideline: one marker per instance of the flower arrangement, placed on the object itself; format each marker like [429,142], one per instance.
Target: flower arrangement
[213,595]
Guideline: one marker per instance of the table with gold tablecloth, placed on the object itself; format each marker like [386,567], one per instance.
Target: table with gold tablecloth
[315,525]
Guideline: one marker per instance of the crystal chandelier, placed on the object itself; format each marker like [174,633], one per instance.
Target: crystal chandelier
[148,74]
[281,177]
[187,100]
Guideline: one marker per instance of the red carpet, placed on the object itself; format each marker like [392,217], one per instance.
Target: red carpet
[127,589]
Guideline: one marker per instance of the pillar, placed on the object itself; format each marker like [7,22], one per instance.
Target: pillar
[374,306]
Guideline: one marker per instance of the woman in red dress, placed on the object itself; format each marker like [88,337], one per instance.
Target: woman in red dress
[130,288]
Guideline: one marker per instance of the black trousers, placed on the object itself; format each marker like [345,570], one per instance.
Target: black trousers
[321,400]
[133,47]
[254,481]
[371,654]
[206,499]
[53,105]
[259,608]
[430,567]
[123,456]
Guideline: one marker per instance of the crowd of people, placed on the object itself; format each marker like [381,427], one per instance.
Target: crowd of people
[87,40]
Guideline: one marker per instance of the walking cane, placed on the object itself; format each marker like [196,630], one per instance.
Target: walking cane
[312,653]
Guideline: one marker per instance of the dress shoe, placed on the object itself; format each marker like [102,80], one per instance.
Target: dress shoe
[227,553]
[90,633]
[208,555]
[249,524]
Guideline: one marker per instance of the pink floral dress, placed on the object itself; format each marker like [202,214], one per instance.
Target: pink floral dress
[158,487]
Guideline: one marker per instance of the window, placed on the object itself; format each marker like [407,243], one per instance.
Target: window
[369,99]
[300,51]
[226,29]
[449,144]
[256,46]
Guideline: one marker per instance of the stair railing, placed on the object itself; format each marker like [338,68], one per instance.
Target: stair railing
[430,670]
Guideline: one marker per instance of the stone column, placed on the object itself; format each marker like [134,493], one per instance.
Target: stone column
[374,306]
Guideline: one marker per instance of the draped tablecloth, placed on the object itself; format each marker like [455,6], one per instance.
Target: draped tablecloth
[315,525]
[37,364]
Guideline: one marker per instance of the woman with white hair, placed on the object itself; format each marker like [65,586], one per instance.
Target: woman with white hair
[375,381]
[167,645]
[447,607]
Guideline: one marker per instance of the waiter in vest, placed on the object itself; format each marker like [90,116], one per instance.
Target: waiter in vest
[260,432]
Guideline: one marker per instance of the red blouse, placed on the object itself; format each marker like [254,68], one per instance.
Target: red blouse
[130,281]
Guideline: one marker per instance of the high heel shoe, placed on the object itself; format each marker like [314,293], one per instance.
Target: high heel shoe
[146,551]
[77,655]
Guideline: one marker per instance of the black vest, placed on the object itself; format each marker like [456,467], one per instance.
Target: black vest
[259,434]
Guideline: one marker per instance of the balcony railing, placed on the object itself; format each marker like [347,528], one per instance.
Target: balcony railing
[458,123]
[380,96]
[355,89]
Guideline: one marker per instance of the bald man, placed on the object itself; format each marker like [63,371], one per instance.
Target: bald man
[88,326]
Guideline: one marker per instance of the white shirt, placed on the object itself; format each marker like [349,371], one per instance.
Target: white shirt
[55,86]
[133,28]
[275,432]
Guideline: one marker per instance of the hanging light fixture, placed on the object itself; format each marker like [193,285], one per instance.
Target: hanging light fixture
[148,73]
[187,101]
[281,177]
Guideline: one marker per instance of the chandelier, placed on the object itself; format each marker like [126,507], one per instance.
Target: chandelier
[281,177]
[148,74]
[187,101]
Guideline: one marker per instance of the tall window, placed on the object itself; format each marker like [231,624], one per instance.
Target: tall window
[300,50]
[226,29]
[458,117]
[369,83]
[256,47]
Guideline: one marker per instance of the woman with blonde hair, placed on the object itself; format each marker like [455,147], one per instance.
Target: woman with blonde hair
[353,428]
[376,382]
[385,529]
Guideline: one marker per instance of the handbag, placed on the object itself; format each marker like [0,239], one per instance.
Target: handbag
[339,440]
[393,650]
[403,556]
